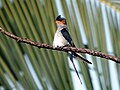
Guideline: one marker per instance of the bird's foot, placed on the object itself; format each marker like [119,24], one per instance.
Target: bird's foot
[67,45]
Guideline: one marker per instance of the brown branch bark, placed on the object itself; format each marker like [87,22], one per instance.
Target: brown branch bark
[65,49]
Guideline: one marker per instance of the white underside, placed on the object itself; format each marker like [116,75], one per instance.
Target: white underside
[59,40]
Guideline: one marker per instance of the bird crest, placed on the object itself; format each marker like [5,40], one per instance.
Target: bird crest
[59,18]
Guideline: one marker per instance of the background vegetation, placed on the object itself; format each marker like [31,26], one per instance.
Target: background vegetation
[93,24]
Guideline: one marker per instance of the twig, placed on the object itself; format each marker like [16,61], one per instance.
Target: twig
[65,49]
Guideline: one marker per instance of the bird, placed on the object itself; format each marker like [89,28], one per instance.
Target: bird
[62,38]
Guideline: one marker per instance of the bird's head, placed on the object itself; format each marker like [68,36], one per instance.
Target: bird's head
[60,20]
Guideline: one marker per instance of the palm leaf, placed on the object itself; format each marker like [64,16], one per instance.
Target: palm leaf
[93,24]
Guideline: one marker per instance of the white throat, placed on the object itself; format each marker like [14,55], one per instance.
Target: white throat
[61,26]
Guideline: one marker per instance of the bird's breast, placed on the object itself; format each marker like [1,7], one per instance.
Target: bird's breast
[59,40]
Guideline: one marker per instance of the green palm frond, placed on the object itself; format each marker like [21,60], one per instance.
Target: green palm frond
[90,22]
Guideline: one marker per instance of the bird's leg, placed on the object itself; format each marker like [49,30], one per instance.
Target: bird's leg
[61,47]
[67,45]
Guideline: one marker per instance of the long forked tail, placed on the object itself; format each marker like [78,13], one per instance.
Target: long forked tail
[82,58]
[71,58]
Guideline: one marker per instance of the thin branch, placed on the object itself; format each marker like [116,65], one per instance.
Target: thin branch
[65,49]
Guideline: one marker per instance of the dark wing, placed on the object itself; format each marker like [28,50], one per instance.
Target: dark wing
[67,36]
